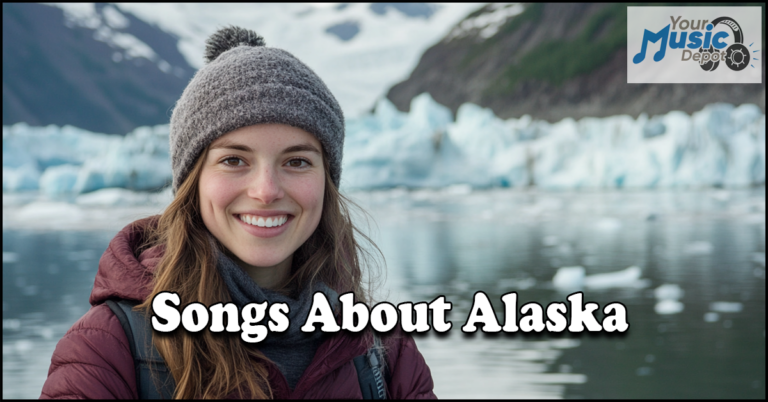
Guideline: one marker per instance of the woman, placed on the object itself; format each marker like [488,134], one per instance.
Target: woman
[256,148]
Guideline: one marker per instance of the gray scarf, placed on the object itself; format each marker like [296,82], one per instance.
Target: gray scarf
[292,350]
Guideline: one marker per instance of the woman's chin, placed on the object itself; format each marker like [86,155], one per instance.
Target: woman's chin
[262,261]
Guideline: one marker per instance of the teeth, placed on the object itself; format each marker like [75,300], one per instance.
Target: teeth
[261,222]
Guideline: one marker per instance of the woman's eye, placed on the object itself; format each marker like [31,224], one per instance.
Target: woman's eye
[232,161]
[298,163]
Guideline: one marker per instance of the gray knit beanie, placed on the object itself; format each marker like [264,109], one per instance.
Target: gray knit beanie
[245,83]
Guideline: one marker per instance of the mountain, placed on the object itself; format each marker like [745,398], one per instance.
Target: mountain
[109,68]
[103,70]
[551,61]
[359,49]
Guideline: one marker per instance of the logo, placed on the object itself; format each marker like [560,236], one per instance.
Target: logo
[694,45]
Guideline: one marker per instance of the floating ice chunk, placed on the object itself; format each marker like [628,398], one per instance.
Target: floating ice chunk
[9,257]
[698,248]
[668,291]
[667,306]
[711,316]
[569,278]
[726,307]
[629,277]
[23,346]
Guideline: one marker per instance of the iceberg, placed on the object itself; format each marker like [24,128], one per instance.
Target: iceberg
[569,278]
[726,307]
[720,146]
[61,161]
[668,306]
[575,278]
[627,278]
[669,291]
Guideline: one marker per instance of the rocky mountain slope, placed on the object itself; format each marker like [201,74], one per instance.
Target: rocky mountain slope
[112,67]
[551,61]
[107,73]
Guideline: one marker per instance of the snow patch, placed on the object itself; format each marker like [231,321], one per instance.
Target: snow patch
[488,23]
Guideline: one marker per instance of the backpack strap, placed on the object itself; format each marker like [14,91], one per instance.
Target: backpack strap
[158,382]
[370,371]
[151,383]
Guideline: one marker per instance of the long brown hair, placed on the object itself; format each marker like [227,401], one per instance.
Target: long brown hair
[208,366]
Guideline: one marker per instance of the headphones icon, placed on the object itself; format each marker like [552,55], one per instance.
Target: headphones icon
[736,55]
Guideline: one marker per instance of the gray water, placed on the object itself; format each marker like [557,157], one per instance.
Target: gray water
[455,242]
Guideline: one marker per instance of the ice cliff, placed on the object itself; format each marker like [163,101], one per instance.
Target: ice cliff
[721,145]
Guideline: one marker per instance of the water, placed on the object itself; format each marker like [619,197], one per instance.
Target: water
[454,242]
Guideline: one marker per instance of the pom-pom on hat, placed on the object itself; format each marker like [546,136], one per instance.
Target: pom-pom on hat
[243,83]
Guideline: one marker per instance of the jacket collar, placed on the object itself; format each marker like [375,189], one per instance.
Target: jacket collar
[121,274]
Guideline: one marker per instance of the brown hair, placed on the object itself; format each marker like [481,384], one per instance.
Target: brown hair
[208,366]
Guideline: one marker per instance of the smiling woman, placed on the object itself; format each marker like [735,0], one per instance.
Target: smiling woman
[256,149]
[261,196]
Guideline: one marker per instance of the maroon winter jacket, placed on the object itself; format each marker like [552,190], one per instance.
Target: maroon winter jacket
[93,359]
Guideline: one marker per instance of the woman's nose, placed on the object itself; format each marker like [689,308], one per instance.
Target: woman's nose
[265,186]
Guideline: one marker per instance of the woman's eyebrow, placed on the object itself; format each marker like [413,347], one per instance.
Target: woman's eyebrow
[231,145]
[300,148]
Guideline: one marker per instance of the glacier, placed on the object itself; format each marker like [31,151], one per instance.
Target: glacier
[60,161]
[719,146]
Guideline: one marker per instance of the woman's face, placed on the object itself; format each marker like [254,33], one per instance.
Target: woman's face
[261,194]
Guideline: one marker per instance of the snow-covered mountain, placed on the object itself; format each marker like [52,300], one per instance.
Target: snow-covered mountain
[113,67]
[358,49]
[97,69]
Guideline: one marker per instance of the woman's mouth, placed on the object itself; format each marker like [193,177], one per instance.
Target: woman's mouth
[260,221]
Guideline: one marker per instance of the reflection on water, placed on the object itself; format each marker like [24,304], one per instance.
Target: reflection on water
[47,279]
[701,335]
[710,244]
